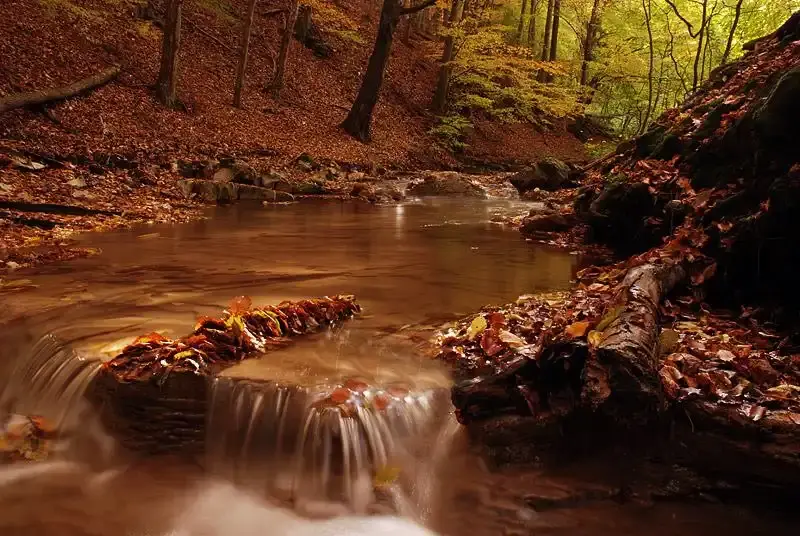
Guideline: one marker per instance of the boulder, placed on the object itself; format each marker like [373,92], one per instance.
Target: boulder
[549,174]
[313,187]
[445,184]
[238,172]
[617,214]
[553,222]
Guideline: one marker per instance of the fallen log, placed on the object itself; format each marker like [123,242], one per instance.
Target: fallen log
[52,208]
[20,100]
[624,368]
[615,372]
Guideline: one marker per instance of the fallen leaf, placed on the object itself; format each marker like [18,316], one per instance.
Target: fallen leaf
[667,341]
[725,355]
[578,329]
[511,339]
[595,338]
[609,317]
[476,327]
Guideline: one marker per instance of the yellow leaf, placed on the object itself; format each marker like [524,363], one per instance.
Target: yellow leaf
[578,329]
[476,327]
[595,338]
[610,316]
[667,341]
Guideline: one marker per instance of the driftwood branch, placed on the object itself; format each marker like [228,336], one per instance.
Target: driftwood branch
[20,100]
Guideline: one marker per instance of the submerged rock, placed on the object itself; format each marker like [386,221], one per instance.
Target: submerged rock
[446,183]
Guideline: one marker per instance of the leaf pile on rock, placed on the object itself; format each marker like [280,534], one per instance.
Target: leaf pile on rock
[494,340]
[217,342]
[25,438]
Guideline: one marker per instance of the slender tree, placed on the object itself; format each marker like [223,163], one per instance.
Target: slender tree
[555,25]
[698,34]
[446,69]
[289,19]
[732,34]
[359,120]
[548,25]
[521,27]
[241,70]
[167,84]
[647,7]
[589,41]
[532,26]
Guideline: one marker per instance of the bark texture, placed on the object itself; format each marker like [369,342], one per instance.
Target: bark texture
[167,85]
[242,69]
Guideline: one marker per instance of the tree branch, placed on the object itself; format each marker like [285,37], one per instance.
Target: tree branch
[688,24]
[413,9]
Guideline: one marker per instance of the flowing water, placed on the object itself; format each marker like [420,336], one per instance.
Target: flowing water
[270,441]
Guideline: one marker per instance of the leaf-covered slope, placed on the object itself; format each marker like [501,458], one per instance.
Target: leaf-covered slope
[721,175]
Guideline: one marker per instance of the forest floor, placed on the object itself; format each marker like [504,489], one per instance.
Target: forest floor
[117,151]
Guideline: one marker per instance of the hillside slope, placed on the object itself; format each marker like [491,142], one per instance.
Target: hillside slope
[53,42]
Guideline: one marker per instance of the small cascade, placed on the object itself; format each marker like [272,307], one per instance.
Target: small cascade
[317,443]
[50,382]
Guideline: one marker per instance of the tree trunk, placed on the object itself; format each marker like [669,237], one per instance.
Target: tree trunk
[19,100]
[700,43]
[647,7]
[532,26]
[548,25]
[166,87]
[732,34]
[556,21]
[521,27]
[409,24]
[358,121]
[589,42]
[289,19]
[303,25]
[446,69]
[240,72]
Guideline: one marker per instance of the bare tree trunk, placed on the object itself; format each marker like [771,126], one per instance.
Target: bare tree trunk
[732,34]
[289,19]
[647,6]
[240,72]
[700,43]
[548,25]
[556,20]
[446,69]
[359,120]
[589,42]
[532,26]
[167,84]
[409,24]
[521,27]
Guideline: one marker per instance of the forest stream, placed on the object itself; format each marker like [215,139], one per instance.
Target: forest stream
[413,267]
